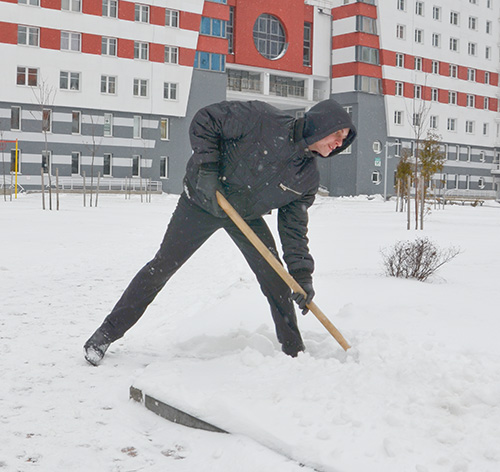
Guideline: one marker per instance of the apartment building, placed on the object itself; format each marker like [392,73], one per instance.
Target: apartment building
[116,83]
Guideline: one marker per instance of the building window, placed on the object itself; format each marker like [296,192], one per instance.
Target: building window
[368,55]
[433,122]
[472,48]
[453,71]
[164,129]
[454,44]
[481,183]
[402,5]
[452,98]
[434,94]
[286,86]
[164,167]
[452,124]
[28,35]
[209,61]
[243,80]
[487,78]
[140,88]
[108,84]
[307,44]
[469,127]
[435,67]
[107,166]
[213,27]
[417,91]
[471,75]
[136,166]
[454,18]
[69,81]
[419,36]
[472,23]
[75,163]
[471,101]
[169,91]
[418,63]
[473,2]
[137,127]
[110,8]
[398,117]
[488,27]
[70,41]
[76,122]
[171,55]
[230,31]
[141,13]
[13,161]
[141,50]
[416,119]
[482,156]
[400,60]
[376,177]
[27,76]
[108,46]
[436,40]
[419,8]
[46,120]
[365,24]
[33,3]
[487,52]
[269,36]
[108,124]
[367,84]
[71,5]
[399,89]
[486,103]
[15,118]
[171,18]
[400,31]
[436,13]
[47,162]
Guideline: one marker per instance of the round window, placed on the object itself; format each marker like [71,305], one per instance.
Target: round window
[269,36]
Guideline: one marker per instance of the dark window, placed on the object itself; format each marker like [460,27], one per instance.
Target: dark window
[307,44]
[269,36]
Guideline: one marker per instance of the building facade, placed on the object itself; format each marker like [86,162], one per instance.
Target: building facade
[110,86]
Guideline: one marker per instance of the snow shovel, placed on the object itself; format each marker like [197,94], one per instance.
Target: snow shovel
[278,267]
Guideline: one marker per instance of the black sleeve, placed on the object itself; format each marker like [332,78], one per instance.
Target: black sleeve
[292,228]
[214,123]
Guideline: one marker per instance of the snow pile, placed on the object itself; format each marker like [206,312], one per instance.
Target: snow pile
[423,394]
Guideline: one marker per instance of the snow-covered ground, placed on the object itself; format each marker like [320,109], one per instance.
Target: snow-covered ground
[423,396]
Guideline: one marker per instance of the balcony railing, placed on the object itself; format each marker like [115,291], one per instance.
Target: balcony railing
[285,90]
[244,85]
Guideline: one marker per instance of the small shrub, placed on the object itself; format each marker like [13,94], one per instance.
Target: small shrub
[417,259]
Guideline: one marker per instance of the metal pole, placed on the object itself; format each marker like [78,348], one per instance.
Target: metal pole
[385,171]
[17,161]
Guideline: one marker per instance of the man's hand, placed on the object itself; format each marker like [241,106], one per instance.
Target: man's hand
[207,184]
[304,279]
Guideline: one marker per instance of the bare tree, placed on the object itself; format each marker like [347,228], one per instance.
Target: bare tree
[93,146]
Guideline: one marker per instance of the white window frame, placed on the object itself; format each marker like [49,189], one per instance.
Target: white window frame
[399,89]
[47,128]
[47,156]
[76,113]
[453,71]
[141,13]
[471,74]
[486,103]
[401,31]
[170,91]
[109,46]
[29,35]
[454,44]
[434,94]
[472,48]
[436,40]
[433,121]
[418,63]
[164,129]
[110,156]
[487,52]
[164,167]
[26,73]
[79,157]
[400,59]
[141,88]
[72,81]
[107,124]
[419,8]
[13,118]
[469,126]
[141,51]
[71,5]
[110,8]
[171,55]
[452,97]
[139,165]
[401,5]
[137,127]
[109,84]
[436,13]
[473,23]
[417,91]
[71,41]
[419,36]
[398,117]
[454,18]
[489,27]
[452,125]
[471,101]
[171,18]
[487,78]
[30,3]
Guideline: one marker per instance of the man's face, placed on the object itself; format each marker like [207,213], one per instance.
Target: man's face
[326,145]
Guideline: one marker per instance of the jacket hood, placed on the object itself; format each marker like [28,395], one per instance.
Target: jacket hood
[325,118]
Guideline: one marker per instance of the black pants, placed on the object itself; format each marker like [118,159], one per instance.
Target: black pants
[188,229]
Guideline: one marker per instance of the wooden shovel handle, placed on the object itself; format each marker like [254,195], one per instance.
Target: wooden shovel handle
[278,267]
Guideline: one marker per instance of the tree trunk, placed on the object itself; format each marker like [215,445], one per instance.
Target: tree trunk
[43,189]
[97,190]
[57,188]
[84,191]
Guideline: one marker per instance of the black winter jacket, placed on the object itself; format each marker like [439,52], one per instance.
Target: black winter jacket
[264,163]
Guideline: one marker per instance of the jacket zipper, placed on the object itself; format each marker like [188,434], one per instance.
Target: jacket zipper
[285,189]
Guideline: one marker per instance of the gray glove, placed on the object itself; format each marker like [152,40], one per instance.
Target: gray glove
[206,184]
[304,279]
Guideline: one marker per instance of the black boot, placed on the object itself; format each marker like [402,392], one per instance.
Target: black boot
[96,347]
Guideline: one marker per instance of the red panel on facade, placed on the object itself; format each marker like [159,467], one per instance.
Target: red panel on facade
[388,87]
[355,39]
[462,72]
[186,57]
[409,61]
[387,58]
[210,44]
[189,21]
[308,13]
[126,10]
[480,76]
[157,15]
[444,68]
[8,33]
[291,16]
[461,99]
[356,68]
[494,79]
[493,104]
[91,43]
[427,65]
[50,38]
[8,1]
[216,10]
[125,48]
[443,96]
[354,9]
[92,7]
[408,90]
[156,52]
[53,4]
